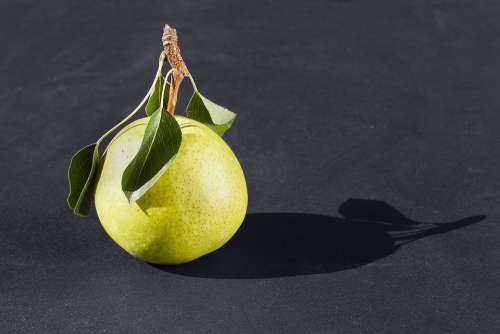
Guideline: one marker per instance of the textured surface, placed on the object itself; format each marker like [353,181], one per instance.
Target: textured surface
[194,208]
[395,101]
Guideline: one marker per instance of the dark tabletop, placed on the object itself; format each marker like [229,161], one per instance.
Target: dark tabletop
[369,132]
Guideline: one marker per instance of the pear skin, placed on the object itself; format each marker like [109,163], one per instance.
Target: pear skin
[195,207]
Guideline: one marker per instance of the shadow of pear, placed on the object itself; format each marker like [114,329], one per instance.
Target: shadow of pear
[288,244]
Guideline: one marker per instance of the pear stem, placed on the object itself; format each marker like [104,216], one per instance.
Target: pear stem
[179,69]
[174,90]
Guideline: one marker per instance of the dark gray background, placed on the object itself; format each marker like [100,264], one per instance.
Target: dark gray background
[395,104]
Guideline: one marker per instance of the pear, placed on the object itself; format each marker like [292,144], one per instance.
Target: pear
[194,208]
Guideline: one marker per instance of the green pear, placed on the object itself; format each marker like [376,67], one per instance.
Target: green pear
[194,208]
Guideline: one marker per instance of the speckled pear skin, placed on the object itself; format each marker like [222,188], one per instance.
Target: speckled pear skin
[193,209]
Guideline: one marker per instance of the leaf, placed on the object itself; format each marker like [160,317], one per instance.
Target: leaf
[211,114]
[155,97]
[159,146]
[81,175]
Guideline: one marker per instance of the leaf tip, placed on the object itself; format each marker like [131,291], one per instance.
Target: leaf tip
[80,214]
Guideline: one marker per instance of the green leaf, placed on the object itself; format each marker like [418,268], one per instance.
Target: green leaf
[81,175]
[159,146]
[155,97]
[211,114]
